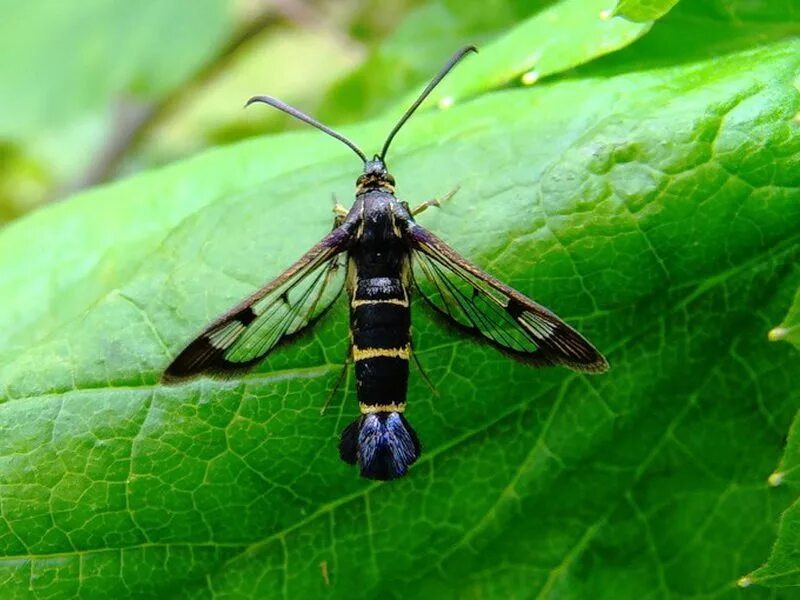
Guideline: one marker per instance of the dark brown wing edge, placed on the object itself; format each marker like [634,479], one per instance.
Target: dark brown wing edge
[562,345]
[202,357]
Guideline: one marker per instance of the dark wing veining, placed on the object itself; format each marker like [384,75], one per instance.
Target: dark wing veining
[480,304]
[275,313]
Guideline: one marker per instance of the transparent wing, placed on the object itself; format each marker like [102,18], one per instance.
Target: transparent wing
[487,308]
[274,314]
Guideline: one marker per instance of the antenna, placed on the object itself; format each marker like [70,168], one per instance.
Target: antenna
[274,102]
[434,82]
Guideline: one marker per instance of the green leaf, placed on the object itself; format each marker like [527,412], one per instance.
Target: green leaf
[112,249]
[744,12]
[557,36]
[789,329]
[783,567]
[564,35]
[655,209]
[643,10]
[700,30]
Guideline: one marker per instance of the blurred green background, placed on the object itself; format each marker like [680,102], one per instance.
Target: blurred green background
[634,165]
[99,90]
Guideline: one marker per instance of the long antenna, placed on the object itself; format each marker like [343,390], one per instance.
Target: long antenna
[274,102]
[434,82]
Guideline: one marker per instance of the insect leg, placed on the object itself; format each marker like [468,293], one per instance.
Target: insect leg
[434,202]
[348,361]
[424,374]
[339,211]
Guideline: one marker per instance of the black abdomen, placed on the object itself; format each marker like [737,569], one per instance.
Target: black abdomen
[380,441]
[381,325]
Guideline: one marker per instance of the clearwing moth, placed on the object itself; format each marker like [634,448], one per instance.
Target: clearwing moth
[381,256]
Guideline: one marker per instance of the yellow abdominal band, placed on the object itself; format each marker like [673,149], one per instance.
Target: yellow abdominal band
[365,353]
[371,409]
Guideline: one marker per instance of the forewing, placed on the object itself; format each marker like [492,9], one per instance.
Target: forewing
[272,315]
[482,305]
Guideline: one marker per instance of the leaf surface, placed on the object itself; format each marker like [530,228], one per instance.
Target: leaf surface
[563,35]
[654,209]
[517,41]
[782,570]
[643,10]
[789,329]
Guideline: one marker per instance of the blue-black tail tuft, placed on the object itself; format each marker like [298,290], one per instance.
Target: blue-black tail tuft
[383,444]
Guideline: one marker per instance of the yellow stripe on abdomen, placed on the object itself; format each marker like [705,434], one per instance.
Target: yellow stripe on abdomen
[370,409]
[364,353]
[398,301]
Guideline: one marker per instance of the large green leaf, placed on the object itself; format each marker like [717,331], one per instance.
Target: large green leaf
[783,567]
[789,329]
[654,209]
[564,35]
[643,10]
[538,39]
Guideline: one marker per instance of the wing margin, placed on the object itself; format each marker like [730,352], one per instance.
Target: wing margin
[493,311]
[269,317]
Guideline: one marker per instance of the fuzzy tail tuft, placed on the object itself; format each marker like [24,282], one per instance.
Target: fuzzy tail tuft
[383,444]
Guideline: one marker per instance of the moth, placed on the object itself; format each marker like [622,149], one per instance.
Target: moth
[382,257]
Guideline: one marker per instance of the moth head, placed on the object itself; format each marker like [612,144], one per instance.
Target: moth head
[375,177]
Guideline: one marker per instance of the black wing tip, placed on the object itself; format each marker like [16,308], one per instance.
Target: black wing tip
[595,367]
[169,378]
[201,358]
[569,348]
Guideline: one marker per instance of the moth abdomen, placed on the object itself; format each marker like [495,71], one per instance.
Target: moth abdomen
[381,442]
[381,330]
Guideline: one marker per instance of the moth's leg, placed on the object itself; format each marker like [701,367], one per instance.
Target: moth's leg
[435,202]
[339,212]
[423,373]
[348,361]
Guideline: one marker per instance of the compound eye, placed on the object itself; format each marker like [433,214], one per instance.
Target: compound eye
[390,179]
[361,179]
